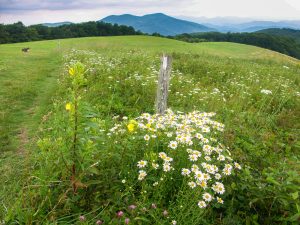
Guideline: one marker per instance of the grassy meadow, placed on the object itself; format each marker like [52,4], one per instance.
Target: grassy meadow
[81,144]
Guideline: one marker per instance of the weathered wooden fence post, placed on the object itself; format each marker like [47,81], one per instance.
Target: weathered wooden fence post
[163,84]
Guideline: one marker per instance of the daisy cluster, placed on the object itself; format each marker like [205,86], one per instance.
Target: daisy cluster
[191,137]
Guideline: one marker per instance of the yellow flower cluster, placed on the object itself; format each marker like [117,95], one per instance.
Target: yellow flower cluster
[132,125]
[72,71]
[68,106]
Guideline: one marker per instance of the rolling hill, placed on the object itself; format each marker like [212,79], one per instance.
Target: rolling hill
[283,44]
[284,32]
[157,23]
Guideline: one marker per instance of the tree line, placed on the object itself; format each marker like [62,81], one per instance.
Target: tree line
[282,44]
[18,32]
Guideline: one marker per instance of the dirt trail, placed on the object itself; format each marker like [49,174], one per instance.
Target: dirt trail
[23,139]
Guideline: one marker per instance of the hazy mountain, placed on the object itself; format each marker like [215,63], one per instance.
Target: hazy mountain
[259,25]
[236,24]
[56,24]
[219,21]
[157,23]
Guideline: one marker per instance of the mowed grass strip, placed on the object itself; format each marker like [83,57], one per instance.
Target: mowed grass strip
[27,81]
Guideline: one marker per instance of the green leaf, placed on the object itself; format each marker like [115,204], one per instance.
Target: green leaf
[94,170]
[91,182]
[295,217]
[142,219]
[295,195]
[272,180]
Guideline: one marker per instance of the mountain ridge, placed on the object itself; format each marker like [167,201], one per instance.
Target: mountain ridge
[157,23]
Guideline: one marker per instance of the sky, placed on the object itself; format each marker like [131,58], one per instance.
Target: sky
[40,11]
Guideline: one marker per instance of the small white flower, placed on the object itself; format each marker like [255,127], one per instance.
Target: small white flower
[169,134]
[237,166]
[226,172]
[206,177]
[168,159]
[228,166]
[173,144]
[167,167]
[185,172]
[267,92]
[218,188]
[193,157]
[219,200]
[207,158]
[199,136]
[195,168]
[174,222]
[221,158]
[198,175]
[205,129]
[218,176]
[197,153]
[147,137]
[190,151]
[207,197]
[162,155]
[202,204]
[142,164]
[155,166]
[192,184]
[207,149]
[142,175]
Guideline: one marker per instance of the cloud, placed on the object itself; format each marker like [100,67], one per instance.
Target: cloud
[39,11]
[32,5]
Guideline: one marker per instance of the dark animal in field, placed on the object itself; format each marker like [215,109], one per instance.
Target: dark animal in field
[25,49]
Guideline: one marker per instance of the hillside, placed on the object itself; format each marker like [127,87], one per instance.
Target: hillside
[285,44]
[87,105]
[157,23]
[283,32]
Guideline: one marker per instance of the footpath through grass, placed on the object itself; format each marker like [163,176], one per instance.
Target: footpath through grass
[27,82]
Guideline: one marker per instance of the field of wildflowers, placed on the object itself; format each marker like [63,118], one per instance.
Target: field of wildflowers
[225,152]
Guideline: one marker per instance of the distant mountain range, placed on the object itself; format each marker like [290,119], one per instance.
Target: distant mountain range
[258,25]
[56,24]
[157,23]
[236,24]
[167,25]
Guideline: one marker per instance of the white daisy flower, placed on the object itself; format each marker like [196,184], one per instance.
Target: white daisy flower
[202,204]
[142,164]
[173,144]
[185,172]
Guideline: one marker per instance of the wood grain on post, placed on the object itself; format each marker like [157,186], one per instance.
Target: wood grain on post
[163,84]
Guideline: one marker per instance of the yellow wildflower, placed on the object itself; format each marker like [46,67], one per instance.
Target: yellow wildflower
[133,122]
[72,71]
[130,127]
[68,106]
